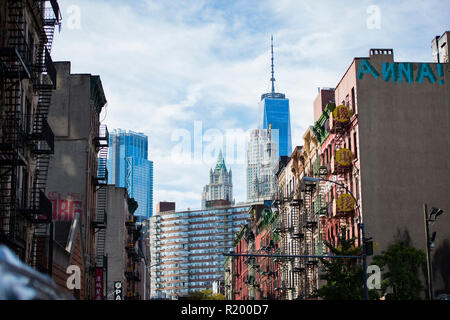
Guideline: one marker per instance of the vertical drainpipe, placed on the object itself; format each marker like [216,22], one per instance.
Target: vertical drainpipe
[50,251]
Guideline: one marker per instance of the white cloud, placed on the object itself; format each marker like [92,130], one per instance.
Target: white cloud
[165,64]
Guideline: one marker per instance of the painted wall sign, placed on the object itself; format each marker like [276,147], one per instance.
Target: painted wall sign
[399,72]
[344,157]
[345,202]
[342,114]
[65,208]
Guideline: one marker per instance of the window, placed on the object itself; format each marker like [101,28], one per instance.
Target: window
[353,101]
[350,143]
[355,145]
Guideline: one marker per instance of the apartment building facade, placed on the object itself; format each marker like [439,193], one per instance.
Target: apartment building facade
[77,171]
[27,79]
[187,248]
[124,259]
[388,152]
[255,278]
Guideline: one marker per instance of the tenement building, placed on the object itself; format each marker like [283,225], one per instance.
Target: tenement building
[77,172]
[383,139]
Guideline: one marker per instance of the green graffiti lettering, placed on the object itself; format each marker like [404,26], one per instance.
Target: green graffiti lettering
[389,71]
[406,72]
[366,67]
[425,71]
[440,72]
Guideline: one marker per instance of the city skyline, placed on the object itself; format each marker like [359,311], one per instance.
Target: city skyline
[156,87]
[329,183]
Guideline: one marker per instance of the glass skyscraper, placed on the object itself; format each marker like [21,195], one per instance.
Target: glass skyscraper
[274,108]
[129,167]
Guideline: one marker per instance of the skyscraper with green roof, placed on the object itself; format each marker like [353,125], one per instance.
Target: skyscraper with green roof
[220,187]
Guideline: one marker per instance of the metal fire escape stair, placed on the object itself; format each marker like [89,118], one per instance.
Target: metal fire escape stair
[17,63]
[100,224]
[12,226]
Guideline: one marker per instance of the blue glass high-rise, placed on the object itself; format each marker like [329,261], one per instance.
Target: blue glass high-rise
[276,116]
[274,108]
[129,167]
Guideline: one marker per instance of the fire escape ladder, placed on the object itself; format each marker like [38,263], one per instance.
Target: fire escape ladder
[40,253]
[100,224]
[340,171]
[16,30]
[52,18]
[12,139]
[12,225]
[101,178]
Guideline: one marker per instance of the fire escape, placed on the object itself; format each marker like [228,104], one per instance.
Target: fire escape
[285,283]
[342,206]
[26,213]
[297,236]
[101,143]
[321,205]
[308,222]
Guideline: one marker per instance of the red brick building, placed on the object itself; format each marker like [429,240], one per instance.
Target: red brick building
[255,278]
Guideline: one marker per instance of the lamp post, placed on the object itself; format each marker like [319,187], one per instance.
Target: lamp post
[436,212]
[361,226]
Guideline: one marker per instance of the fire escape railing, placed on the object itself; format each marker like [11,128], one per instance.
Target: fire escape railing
[24,209]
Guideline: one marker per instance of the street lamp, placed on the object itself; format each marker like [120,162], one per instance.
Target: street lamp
[361,226]
[432,217]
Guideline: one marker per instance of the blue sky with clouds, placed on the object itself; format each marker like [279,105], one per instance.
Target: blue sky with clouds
[166,64]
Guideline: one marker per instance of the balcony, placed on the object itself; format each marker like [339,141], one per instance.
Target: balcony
[14,64]
[52,16]
[311,225]
[40,210]
[130,247]
[130,223]
[319,170]
[42,136]
[102,138]
[298,270]
[320,206]
[100,222]
[298,235]
[342,162]
[101,178]
[307,186]
[45,64]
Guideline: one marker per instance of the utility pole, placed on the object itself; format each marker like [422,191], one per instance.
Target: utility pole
[364,256]
[427,236]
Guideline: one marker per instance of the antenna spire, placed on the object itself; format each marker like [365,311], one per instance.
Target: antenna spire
[273,78]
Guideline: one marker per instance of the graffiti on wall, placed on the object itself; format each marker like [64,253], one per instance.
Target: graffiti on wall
[399,72]
[66,207]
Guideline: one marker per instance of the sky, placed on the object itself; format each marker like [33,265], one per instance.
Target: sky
[189,74]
